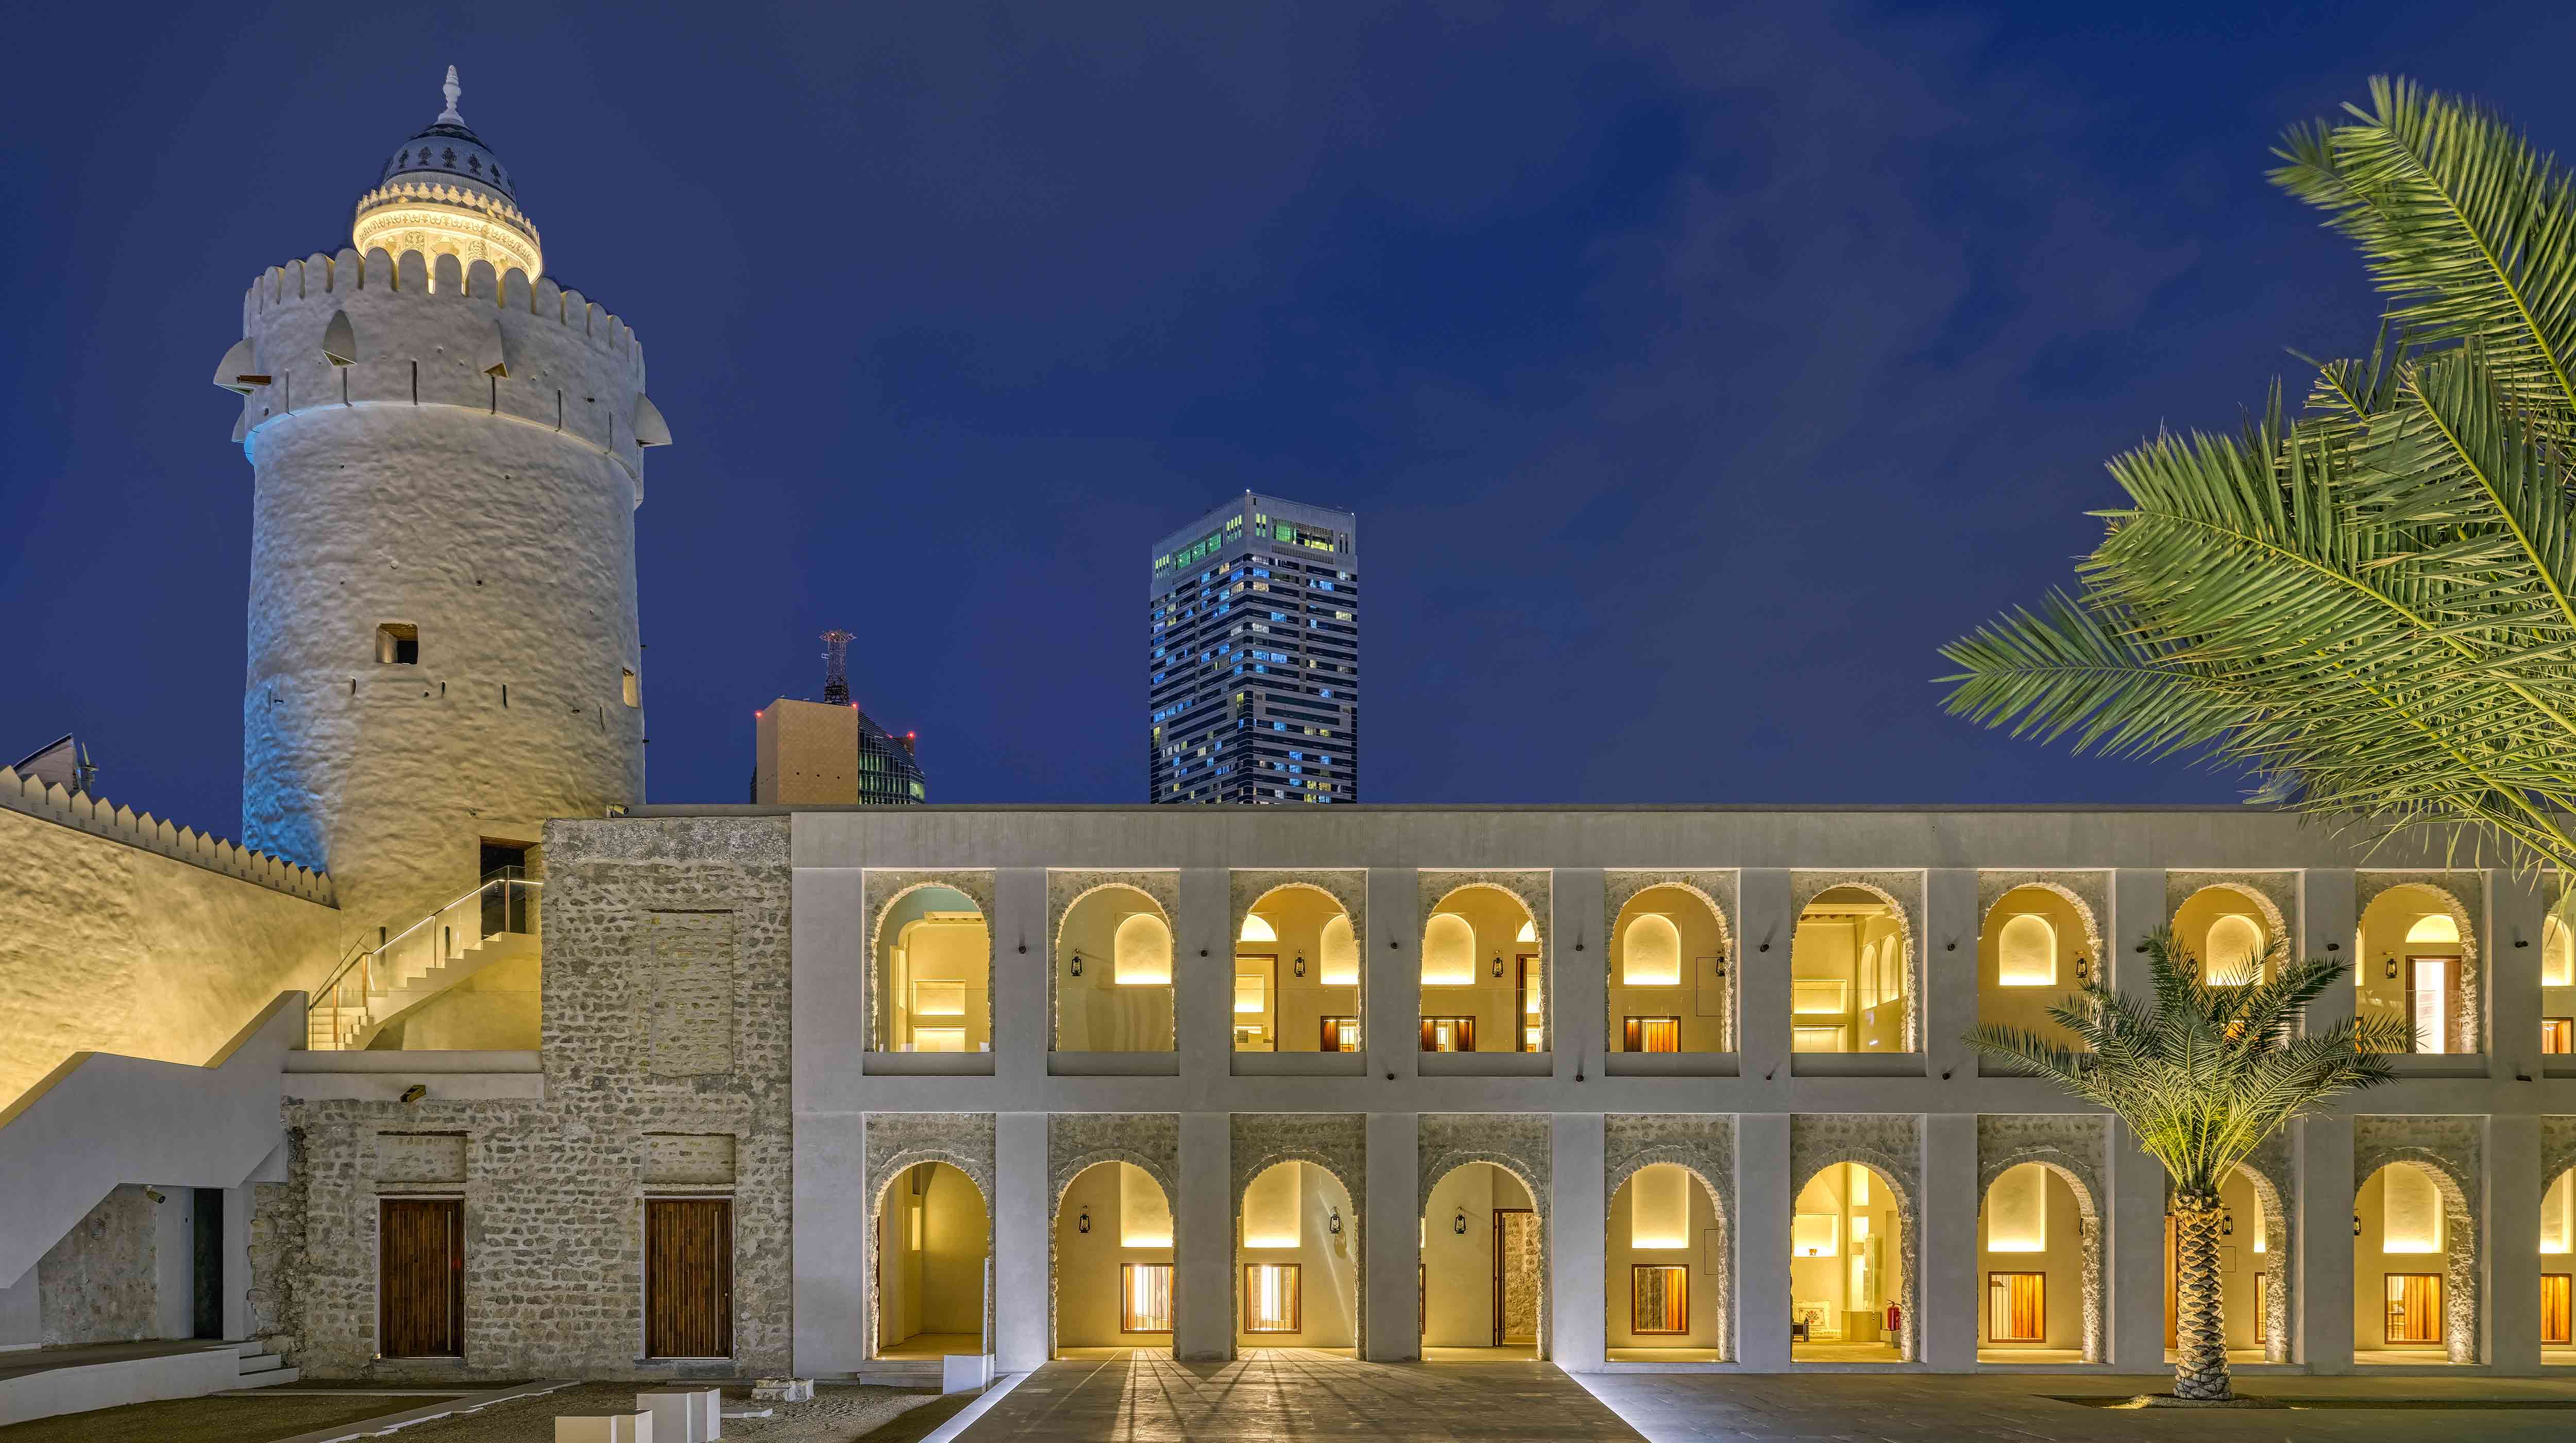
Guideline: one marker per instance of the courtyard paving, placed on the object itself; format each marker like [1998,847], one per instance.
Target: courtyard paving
[1293,1393]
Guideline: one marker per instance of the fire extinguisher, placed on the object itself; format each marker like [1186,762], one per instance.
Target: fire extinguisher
[1895,1319]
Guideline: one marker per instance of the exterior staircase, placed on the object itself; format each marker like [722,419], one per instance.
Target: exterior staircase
[261,1368]
[395,971]
[917,1373]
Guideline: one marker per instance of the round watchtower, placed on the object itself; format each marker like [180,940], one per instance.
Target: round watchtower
[447,453]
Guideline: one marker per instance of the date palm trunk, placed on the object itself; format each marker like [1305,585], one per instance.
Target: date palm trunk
[2200,1319]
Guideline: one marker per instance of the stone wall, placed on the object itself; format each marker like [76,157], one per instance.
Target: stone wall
[641,918]
[100,1283]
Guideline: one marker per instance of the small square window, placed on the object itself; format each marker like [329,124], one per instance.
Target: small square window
[398,643]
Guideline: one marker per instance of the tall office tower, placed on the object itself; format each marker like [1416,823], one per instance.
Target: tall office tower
[1254,657]
[807,753]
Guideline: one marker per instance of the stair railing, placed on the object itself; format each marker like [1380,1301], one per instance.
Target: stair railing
[505,902]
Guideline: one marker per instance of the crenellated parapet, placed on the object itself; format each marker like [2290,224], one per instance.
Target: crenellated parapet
[420,330]
[33,797]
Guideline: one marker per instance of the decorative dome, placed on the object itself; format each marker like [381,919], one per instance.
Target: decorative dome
[449,151]
[445,193]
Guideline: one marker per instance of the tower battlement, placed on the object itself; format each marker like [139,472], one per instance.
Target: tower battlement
[351,330]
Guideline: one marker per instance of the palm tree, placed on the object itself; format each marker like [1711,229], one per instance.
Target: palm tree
[2370,606]
[2203,1075]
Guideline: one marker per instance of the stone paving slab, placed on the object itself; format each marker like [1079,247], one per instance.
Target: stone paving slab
[1290,1393]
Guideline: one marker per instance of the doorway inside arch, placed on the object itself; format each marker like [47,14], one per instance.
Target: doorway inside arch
[2030,1269]
[1665,1273]
[1482,1268]
[1296,1262]
[2245,1262]
[1113,1265]
[2408,1256]
[1846,1268]
[934,1242]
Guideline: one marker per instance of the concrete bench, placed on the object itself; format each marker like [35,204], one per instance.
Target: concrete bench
[607,1428]
[684,1415]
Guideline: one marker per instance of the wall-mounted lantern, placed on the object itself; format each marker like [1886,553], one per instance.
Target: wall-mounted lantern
[2083,968]
[1333,1222]
[2227,1222]
[2388,968]
[1077,964]
[1498,964]
[1298,967]
[1458,1224]
[2356,1225]
[1082,1224]
[1721,966]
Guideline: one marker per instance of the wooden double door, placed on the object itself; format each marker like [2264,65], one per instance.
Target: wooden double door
[688,1278]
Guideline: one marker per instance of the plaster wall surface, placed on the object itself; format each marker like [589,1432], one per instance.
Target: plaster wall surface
[110,947]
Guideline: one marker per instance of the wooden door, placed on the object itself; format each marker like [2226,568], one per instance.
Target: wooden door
[420,1277]
[688,1278]
[2554,1320]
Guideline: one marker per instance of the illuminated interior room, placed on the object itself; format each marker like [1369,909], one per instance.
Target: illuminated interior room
[1484,1267]
[2227,931]
[2412,1264]
[1113,1264]
[1849,964]
[2417,960]
[1296,974]
[1484,986]
[1671,965]
[933,1239]
[2037,947]
[1665,1269]
[2558,983]
[2034,1234]
[1846,1265]
[1297,1261]
[2557,1264]
[1114,973]
[935,974]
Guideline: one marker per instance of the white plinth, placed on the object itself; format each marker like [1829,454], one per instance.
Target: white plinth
[684,1415]
[607,1428]
[964,1372]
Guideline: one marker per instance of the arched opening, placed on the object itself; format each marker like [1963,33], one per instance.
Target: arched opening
[1297,1261]
[1847,1283]
[2557,1263]
[1851,974]
[1114,1290]
[2413,1268]
[2036,948]
[1483,1270]
[1483,975]
[2227,933]
[2415,961]
[2253,1272]
[1666,1269]
[934,974]
[1669,963]
[2039,1269]
[934,1250]
[1114,973]
[1296,975]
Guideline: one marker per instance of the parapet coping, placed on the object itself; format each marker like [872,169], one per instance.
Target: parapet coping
[99,818]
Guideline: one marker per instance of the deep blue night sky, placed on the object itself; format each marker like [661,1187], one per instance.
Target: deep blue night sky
[1695,372]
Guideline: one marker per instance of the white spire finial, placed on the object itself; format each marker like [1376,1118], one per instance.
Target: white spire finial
[452,89]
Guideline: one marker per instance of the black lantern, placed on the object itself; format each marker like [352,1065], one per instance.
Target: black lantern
[2356,1225]
[2389,967]
[1458,1224]
[2227,1222]
[1721,964]
[1333,1222]
[1083,1223]
[1077,964]
[2083,968]
[1298,967]
[1498,964]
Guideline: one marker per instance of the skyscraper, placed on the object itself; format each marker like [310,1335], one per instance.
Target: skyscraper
[1253,657]
[808,753]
